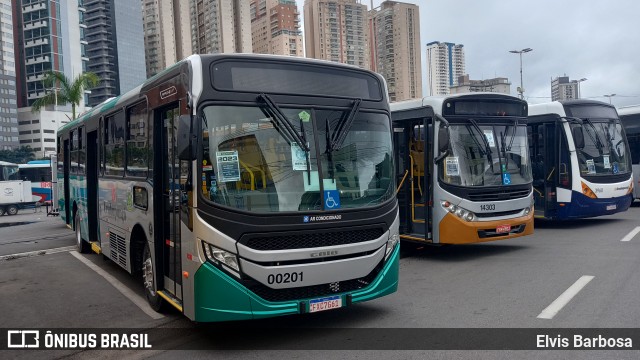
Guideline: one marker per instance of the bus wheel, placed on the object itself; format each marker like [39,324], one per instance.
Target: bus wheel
[148,280]
[12,210]
[1,210]
[82,246]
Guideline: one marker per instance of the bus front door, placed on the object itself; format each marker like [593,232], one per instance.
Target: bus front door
[67,192]
[413,150]
[171,203]
[545,168]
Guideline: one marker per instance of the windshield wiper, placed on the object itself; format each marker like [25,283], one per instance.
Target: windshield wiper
[339,134]
[484,141]
[597,140]
[282,125]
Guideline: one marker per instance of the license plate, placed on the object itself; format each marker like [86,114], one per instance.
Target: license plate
[323,304]
[611,207]
[503,229]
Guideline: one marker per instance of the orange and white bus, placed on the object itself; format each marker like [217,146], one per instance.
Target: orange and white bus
[463,168]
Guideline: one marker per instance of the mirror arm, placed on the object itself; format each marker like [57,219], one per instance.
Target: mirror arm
[441,157]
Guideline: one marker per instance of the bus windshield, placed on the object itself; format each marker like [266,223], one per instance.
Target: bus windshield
[251,162]
[605,150]
[8,172]
[487,155]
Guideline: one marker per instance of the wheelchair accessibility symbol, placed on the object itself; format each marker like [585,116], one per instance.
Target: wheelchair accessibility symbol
[332,199]
[506,179]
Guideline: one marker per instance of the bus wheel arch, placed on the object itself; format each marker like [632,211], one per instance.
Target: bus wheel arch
[142,267]
[81,245]
[156,302]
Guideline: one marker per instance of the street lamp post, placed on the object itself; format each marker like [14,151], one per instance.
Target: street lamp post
[579,81]
[609,96]
[521,88]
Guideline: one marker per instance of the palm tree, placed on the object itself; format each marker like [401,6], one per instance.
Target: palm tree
[67,91]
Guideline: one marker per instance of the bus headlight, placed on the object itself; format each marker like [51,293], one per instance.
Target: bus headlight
[394,239]
[459,211]
[219,256]
[527,211]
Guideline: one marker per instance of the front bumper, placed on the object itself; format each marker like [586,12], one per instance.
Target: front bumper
[220,297]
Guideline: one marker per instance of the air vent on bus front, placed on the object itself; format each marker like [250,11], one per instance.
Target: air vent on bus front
[497,195]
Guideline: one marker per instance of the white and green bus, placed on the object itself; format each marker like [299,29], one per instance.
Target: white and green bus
[240,186]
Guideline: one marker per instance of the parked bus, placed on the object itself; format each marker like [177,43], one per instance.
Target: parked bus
[463,168]
[630,117]
[240,186]
[39,172]
[580,160]
[15,193]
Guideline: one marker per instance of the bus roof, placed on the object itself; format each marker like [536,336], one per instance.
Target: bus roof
[629,110]
[436,102]
[35,166]
[558,107]
[38,162]
[197,58]
[6,163]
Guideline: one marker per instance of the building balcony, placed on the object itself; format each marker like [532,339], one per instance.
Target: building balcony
[34,7]
[37,60]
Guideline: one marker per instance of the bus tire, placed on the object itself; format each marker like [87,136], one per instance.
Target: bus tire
[156,302]
[12,210]
[1,210]
[81,245]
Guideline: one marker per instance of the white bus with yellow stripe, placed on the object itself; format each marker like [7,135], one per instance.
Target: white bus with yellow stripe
[463,168]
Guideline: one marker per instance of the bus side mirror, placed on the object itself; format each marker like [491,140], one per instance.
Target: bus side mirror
[184,138]
[443,139]
[578,137]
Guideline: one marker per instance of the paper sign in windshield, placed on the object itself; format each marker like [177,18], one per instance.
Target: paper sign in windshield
[591,166]
[228,165]
[452,166]
[298,158]
[489,135]
[607,164]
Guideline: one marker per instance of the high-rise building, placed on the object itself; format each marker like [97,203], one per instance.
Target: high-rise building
[115,46]
[48,35]
[445,64]
[8,102]
[395,46]
[275,27]
[337,30]
[167,33]
[497,85]
[564,89]
[220,26]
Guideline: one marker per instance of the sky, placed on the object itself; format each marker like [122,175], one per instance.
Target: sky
[594,39]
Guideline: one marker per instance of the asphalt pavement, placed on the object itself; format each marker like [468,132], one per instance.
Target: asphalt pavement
[576,274]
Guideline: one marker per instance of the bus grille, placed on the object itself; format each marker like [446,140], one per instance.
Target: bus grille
[266,242]
[504,194]
[314,291]
[499,213]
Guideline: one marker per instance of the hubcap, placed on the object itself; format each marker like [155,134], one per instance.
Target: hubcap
[147,269]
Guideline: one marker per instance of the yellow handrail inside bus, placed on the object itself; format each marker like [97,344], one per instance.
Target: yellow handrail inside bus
[249,169]
[406,172]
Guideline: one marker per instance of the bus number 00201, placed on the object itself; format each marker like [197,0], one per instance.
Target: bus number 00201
[285,278]
[488,207]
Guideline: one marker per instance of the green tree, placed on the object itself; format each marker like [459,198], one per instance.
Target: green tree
[67,91]
[21,155]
